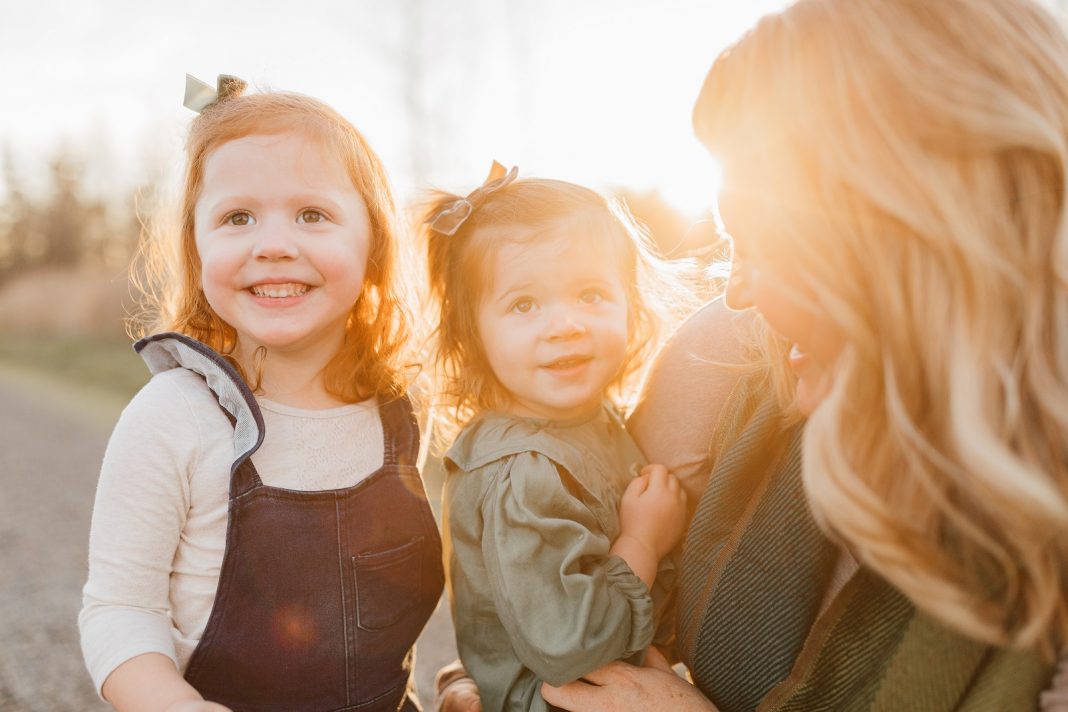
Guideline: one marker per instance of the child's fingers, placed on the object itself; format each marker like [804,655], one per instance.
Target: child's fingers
[653,468]
[637,486]
[658,476]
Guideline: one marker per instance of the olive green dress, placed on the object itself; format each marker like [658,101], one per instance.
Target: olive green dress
[530,513]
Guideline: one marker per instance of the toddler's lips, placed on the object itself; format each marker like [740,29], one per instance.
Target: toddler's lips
[567,363]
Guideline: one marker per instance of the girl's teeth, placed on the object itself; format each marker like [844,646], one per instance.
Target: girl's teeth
[289,289]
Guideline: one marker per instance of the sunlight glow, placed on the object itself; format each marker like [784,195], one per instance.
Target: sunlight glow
[599,92]
[692,184]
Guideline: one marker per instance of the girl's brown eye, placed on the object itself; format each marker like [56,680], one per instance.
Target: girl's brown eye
[311,216]
[240,219]
[523,306]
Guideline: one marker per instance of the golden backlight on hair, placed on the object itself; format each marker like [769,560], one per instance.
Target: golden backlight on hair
[374,351]
[909,159]
[535,209]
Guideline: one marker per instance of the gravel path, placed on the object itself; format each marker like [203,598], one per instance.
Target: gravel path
[48,466]
[50,453]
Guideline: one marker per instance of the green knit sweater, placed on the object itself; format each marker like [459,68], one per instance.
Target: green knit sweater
[754,574]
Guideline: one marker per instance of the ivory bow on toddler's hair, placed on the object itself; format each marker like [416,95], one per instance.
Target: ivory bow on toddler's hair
[449,219]
[200,95]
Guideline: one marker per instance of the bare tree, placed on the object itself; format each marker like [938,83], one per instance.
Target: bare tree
[17,229]
[60,225]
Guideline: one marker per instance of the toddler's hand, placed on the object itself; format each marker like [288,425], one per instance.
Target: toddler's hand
[653,509]
[456,691]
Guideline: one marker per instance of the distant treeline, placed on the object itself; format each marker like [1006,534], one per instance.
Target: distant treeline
[62,223]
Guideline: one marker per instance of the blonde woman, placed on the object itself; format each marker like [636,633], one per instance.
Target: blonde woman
[896,191]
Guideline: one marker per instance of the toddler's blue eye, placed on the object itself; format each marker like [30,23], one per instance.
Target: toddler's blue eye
[240,218]
[310,216]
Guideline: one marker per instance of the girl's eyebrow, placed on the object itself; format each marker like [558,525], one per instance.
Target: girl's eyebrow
[314,199]
[591,281]
[302,200]
[228,201]
[516,289]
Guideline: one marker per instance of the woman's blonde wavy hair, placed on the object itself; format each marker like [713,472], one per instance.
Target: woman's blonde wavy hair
[526,211]
[908,159]
[372,359]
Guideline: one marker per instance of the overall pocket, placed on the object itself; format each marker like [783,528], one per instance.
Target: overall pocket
[388,584]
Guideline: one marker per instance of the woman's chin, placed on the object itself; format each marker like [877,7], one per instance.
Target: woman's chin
[809,396]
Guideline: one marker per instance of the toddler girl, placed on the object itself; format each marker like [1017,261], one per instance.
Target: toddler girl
[553,544]
[260,537]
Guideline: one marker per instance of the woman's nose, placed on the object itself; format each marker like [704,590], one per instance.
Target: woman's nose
[275,242]
[739,294]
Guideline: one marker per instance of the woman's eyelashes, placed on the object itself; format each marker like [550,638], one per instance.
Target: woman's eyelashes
[244,218]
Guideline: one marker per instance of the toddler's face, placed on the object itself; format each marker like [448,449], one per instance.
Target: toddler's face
[553,323]
[283,239]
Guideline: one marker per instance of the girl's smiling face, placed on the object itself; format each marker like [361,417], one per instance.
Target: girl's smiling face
[283,239]
[553,325]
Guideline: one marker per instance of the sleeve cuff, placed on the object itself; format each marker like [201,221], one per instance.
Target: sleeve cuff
[110,639]
[625,581]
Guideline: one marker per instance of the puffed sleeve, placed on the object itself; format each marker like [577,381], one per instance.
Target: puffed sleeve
[568,605]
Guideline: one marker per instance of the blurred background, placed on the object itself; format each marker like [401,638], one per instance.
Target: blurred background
[91,129]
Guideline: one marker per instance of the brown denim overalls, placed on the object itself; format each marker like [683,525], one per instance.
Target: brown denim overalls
[321,594]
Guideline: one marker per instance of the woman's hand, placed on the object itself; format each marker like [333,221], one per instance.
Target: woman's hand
[619,687]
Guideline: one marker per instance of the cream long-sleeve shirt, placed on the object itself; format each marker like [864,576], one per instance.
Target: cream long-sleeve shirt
[159,522]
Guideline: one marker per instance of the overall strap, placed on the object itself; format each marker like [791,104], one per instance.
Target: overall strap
[400,432]
[163,352]
[243,475]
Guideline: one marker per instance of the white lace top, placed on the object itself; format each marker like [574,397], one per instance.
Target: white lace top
[319,449]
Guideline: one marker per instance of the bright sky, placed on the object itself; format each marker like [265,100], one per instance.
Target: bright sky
[597,91]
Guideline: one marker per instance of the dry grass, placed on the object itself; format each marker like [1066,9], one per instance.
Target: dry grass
[101,362]
[68,324]
[65,301]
